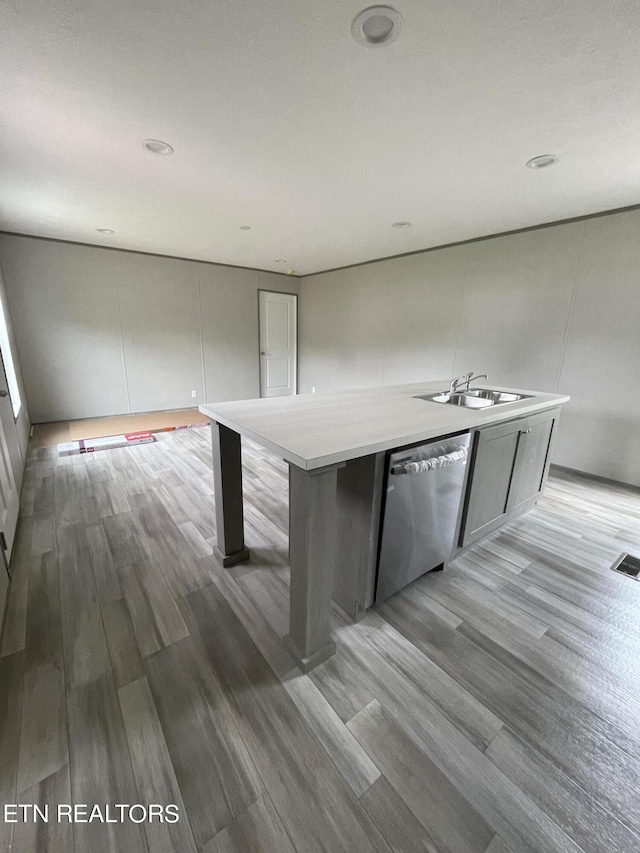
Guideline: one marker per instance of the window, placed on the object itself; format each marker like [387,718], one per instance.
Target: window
[9,367]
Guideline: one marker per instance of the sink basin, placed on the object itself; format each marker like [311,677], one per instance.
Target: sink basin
[476,398]
[471,402]
[495,396]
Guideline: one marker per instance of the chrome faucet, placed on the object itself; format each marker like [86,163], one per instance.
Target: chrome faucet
[455,386]
[469,378]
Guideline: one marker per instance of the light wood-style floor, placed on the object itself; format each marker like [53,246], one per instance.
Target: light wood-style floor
[490,708]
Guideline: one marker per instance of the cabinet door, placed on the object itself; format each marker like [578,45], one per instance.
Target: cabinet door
[531,461]
[493,462]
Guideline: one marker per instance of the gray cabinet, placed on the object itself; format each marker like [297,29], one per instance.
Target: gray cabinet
[358,508]
[532,461]
[509,466]
[506,473]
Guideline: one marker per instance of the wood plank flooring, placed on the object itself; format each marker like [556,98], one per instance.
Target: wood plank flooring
[491,708]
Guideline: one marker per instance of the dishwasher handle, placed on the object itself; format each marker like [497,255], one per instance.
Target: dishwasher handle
[420,466]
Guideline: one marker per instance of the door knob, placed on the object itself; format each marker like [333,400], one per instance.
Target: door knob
[263,353]
[4,393]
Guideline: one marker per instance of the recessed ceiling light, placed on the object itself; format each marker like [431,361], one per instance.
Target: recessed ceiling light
[245,228]
[105,230]
[289,272]
[156,146]
[280,261]
[401,224]
[542,162]
[376,26]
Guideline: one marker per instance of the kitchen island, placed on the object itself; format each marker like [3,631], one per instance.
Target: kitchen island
[335,444]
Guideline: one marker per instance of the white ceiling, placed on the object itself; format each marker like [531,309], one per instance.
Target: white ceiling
[281,121]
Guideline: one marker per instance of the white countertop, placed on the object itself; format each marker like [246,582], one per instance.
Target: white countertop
[313,430]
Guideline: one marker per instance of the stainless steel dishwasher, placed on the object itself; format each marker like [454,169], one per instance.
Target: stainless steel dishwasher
[424,489]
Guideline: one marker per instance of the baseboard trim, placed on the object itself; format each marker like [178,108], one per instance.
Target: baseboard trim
[596,478]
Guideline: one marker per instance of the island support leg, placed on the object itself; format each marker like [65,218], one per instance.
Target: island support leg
[227,482]
[312,512]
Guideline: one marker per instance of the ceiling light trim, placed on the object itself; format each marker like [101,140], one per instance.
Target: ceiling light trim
[377,26]
[157,146]
[542,161]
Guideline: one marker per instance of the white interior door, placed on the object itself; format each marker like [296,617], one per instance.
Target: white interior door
[278,343]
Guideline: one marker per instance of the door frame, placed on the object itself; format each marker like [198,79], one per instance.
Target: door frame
[19,474]
[297,298]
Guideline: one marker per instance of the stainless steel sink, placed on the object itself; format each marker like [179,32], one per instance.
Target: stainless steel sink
[496,396]
[475,398]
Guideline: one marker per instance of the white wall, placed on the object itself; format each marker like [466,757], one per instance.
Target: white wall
[601,364]
[104,332]
[160,317]
[554,309]
[229,310]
